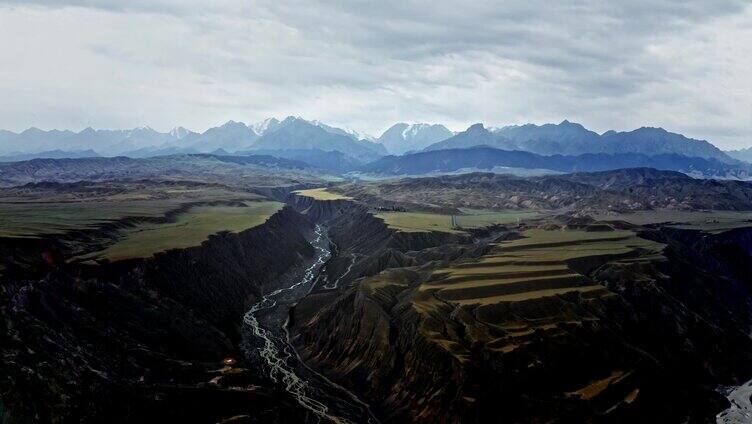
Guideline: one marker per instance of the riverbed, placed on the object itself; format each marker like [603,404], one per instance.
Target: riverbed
[266,342]
[740,411]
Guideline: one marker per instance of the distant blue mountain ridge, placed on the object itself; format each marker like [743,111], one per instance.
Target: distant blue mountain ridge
[569,138]
[562,147]
[485,158]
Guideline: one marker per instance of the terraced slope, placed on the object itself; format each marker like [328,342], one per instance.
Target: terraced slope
[584,324]
[515,277]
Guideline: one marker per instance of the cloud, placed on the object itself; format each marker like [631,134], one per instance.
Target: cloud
[366,64]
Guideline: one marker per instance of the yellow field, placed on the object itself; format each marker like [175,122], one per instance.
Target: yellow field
[596,387]
[190,229]
[321,194]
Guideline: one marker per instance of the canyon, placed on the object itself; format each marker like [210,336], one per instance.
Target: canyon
[325,312]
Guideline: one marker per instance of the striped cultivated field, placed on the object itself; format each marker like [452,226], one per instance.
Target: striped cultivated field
[535,266]
[522,285]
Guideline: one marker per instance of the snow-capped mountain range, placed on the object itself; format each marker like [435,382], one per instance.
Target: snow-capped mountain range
[295,137]
[402,138]
[231,136]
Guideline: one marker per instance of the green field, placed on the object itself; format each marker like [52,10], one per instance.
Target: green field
[31,219]
[34,213]
[417,222]
[477,218]
[708,221]
[412,222]
[713,221]
[190,229]
[321,194]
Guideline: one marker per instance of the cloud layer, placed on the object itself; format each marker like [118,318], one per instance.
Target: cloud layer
[365,65]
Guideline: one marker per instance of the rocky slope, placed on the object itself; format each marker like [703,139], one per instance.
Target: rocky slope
[620,190]
[255,170]
[142,340]
[299,134]
[653,343]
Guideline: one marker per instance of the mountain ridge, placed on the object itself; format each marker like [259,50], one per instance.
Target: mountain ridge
[744,155]
[487,158]
[401,138]
[565,138]
[570,138]
[295,133]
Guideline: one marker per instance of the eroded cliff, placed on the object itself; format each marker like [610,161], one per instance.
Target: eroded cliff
[640,334]
[140,340]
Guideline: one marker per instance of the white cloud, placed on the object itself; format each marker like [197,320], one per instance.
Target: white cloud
[680,65]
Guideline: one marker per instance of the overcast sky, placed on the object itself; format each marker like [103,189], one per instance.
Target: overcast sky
[682,65]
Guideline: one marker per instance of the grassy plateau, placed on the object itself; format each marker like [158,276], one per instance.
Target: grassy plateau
[412,222]
[37,213]
[190,229]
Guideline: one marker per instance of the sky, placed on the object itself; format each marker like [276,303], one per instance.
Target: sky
[365,65]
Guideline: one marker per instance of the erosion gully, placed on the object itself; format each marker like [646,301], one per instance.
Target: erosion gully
[266,341]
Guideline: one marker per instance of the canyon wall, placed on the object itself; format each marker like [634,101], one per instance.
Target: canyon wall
[132,341]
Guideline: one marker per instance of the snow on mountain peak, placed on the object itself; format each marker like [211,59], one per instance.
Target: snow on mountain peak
[401,138]
[179,132]
[412,130]
[141,130]
[264,126]
[355,135]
